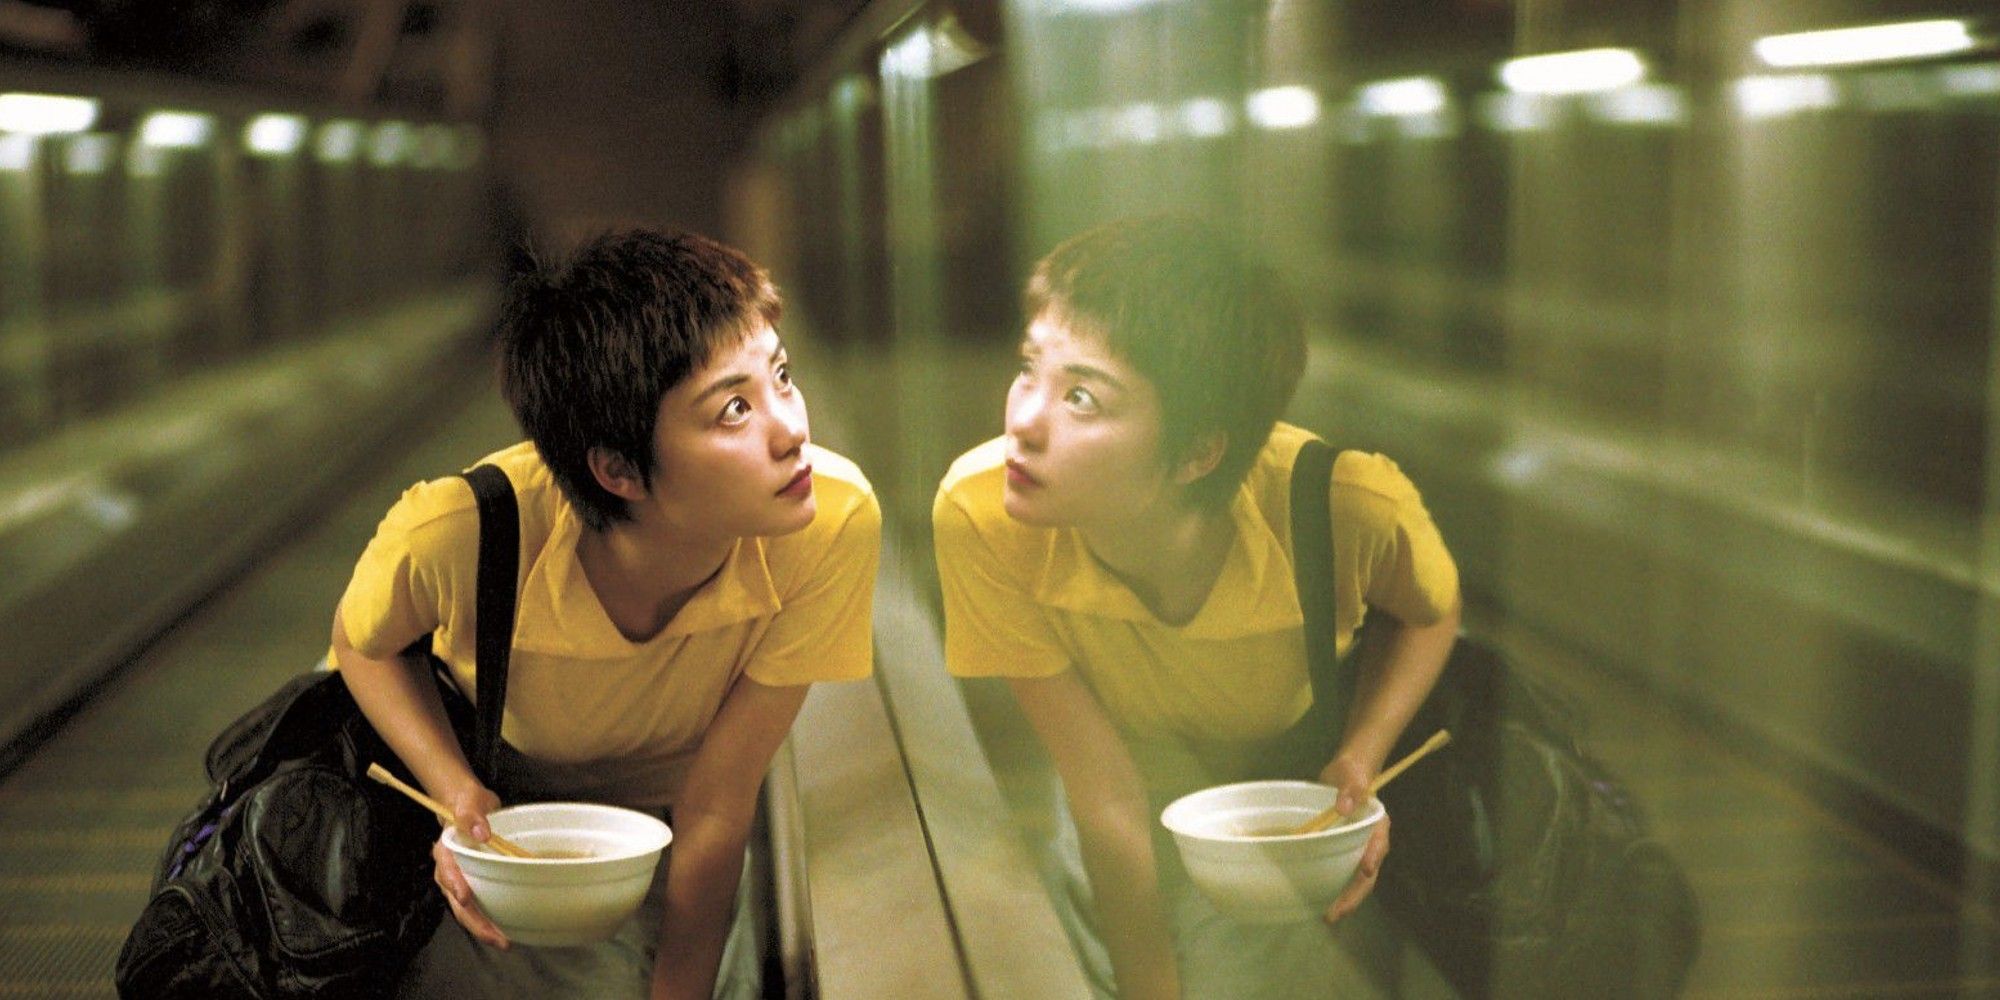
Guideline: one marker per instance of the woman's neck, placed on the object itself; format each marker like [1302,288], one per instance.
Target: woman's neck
[1170,556]
[643,574]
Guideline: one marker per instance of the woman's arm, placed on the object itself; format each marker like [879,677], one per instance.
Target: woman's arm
[1393,682]
[712,818]
[1113,821]
[1394,679]
[402,703]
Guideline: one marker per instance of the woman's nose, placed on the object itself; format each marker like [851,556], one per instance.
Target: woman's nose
[790,429]
[1024,417]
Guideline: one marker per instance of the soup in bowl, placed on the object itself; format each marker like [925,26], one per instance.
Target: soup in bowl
[592,866]
[1236,845]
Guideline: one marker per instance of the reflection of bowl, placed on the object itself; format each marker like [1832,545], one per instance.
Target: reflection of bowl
[1223,836]
[591,869]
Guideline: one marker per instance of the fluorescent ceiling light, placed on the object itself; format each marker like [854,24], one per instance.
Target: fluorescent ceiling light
[1283,107]
[931,51]
[1875,43]
[174,130]
[275,135]
[1416,95]
[1577,72]
[1777,96]
[45,114]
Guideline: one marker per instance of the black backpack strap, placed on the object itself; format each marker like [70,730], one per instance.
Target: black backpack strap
[1312,568]
[499,568]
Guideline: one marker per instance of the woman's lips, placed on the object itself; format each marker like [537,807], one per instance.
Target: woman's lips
[801,485]
[1018,476]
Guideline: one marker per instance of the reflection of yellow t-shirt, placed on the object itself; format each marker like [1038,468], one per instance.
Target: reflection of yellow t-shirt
[595,715]
[1022,601]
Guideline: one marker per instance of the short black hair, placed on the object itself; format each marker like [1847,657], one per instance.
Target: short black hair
[589,346]
[1195,311]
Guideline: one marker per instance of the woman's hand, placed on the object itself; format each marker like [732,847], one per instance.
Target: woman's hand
[1352,778]
[470,806]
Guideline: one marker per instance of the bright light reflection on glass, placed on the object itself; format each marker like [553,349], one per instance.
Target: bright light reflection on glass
[1510,112]
[46,114]
[88,154]
[338,141]
[1577,72]
[853,92]
[142,160]
[1142,124]
[16,152]
[1088,128]
[1895,90]
[1874,43]
[1283,107]
[390,144]
[1206,117]
[1982,80]
[1778,96]
[932,51]
[1440,125]
[1102,6]
[1646,104]
[275,135]
[174,130]
[1417,95]
[910,57]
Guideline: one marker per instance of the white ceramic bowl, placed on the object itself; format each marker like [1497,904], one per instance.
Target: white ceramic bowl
[593,867]
[1267,879]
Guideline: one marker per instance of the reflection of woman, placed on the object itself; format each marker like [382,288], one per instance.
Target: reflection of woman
[690,565]
[1122,555]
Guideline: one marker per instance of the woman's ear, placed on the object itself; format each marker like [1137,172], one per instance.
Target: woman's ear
[1202,457]
[615,473]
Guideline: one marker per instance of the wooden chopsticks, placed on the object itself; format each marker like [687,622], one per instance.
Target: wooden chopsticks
[497,842]
[1332,814]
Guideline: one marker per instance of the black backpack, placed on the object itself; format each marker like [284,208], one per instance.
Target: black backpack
[1521,867]
[297,875]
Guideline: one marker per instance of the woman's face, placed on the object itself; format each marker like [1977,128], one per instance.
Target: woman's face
[1083,431]
[730,446]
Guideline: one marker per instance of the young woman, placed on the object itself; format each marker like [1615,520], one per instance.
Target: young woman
[690,564]
[1122,555]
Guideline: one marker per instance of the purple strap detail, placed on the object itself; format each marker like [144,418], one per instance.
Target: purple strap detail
[195,843]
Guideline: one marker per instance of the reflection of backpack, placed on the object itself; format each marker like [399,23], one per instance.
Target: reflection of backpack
[297,876]
[1520,866]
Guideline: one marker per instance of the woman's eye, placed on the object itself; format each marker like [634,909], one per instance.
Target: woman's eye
[735,411]
[1081,398]
[785,373]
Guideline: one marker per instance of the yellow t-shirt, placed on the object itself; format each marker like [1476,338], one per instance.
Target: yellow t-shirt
[594,715]
[1021,601]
